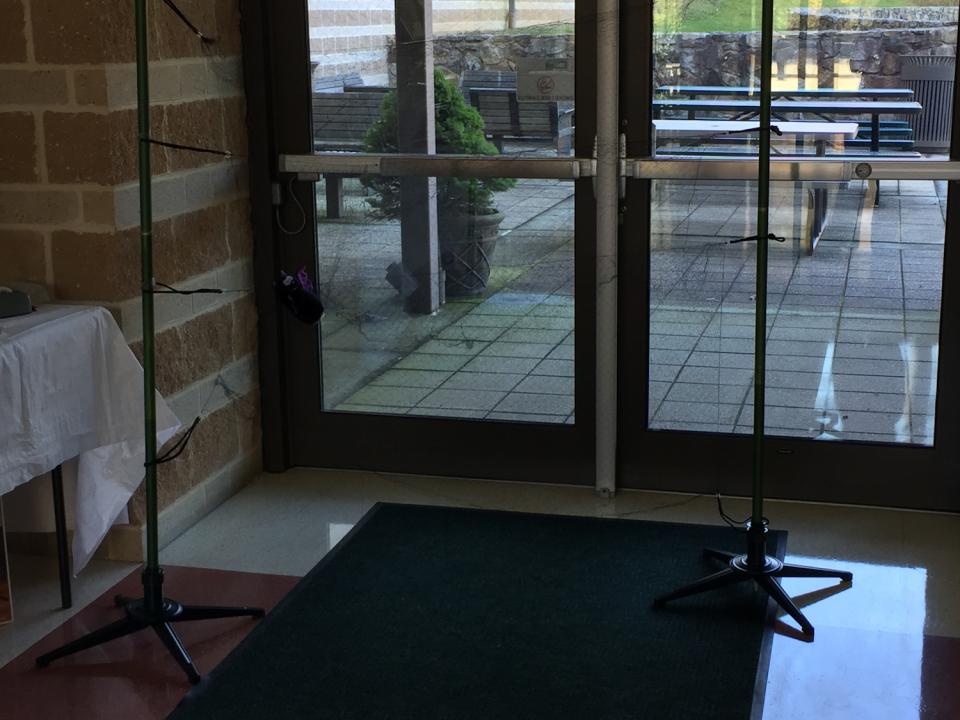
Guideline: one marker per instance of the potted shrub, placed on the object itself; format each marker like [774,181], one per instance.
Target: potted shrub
[467,220]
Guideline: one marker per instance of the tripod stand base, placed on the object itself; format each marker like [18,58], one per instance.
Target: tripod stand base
[758,567]
[160,616]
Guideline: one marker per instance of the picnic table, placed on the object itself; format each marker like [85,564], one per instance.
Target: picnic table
[827,110]
[821,133]
[695,91]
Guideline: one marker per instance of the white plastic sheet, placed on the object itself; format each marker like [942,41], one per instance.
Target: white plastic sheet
[71,388]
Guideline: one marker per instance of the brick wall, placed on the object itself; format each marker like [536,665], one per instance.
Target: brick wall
[69,205]
[352,36]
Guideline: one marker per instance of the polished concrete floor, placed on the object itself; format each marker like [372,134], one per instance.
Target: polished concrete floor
[886,648]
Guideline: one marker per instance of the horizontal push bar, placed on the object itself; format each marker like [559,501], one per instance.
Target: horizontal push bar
[311,167]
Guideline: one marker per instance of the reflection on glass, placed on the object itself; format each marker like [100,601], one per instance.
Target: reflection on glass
[853,319]
[853,348]
[491,337]
[495,54]
[854,288]
[889,70]
[503,353]
[701,307]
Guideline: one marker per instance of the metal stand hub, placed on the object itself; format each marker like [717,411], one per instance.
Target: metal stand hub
[156,612]
[758,567]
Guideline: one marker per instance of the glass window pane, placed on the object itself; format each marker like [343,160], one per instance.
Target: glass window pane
[499,343]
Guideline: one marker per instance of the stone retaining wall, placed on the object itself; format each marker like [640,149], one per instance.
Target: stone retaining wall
[722,58]
[730,58]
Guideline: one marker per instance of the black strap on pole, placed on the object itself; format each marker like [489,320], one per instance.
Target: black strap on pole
[191,148]
[186,21]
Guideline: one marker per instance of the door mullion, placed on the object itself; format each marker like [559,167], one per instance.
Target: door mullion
[608,209]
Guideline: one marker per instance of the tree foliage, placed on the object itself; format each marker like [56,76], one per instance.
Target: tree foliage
[459,131]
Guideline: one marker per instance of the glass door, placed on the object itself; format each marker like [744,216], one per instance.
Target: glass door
[861,324]
[426,184]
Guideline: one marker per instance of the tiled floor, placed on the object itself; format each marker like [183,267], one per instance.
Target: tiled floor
[853,328]
[887,648]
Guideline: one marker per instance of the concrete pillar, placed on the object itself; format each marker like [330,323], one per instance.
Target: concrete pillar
[416,134]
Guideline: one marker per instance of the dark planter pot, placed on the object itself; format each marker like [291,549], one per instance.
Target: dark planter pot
[466,247]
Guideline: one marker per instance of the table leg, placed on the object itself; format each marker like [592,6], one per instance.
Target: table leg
[60,519]
[334,189]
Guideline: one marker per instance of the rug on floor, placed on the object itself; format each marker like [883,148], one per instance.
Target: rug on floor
[433,612]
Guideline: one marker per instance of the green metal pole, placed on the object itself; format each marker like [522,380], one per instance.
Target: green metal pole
[146,289]
[763,229]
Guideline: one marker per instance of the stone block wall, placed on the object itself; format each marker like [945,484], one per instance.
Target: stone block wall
[732,58]
[69,208]
[720,58]
[877,18]
[475,51]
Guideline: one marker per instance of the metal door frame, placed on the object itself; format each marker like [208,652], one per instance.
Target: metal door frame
[296,431]
[609,446]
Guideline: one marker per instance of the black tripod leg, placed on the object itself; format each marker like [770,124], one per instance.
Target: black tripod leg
[779,595]
[720,579]
[212,612]
[713,554]
[812,572]
[179,652]
[126,626]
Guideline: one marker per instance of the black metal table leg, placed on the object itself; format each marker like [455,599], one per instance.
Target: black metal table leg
[60,520]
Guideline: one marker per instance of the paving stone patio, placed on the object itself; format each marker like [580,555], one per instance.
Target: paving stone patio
[853,329]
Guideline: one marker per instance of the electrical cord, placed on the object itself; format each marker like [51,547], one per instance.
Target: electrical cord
[296,200]
[738,525]
[176,450]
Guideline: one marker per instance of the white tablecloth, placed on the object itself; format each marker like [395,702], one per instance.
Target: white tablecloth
[71,388]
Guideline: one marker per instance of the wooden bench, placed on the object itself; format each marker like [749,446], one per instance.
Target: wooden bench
[494,94]
[340,122]
[487,80]
[505,118]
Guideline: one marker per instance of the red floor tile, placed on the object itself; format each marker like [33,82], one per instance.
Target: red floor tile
[133,678]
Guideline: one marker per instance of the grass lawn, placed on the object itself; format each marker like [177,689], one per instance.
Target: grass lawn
[740,15]
[725,15]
